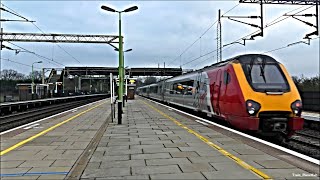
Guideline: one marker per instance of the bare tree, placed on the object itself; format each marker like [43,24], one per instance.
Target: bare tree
[10,74]
[36,74]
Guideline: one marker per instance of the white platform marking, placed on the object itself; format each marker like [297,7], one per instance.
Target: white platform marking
[33,125]
[202,123]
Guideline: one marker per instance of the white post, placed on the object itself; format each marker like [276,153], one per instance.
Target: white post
[111,88]
[126,86]
[111,95]
[56,88]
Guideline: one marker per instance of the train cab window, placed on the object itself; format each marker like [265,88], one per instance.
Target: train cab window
[264,74]
[226,77]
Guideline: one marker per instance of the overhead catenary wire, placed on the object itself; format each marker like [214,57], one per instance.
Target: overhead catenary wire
[266,26]
[231,44]
[13,12]
[231,9]
[285,14]
[42,32]
[274,22]
[58,45]
[284,47]
[19,63]
[38,55]
[203,61]
[201,36]
[204,55]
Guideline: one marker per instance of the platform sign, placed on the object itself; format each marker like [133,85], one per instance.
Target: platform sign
[117,81]
[131,81]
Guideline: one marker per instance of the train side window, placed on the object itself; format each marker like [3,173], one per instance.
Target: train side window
[171,89]
[226,77]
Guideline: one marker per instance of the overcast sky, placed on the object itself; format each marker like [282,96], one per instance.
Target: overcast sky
[158,32]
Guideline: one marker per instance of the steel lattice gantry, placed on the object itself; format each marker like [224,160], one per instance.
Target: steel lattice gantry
[291,2]
[59,38]
[81,71]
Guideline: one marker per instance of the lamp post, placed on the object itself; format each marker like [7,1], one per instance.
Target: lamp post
[121,63]
[125,92]
[32,77]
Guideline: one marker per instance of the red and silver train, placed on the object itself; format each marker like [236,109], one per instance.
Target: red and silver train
[252,92]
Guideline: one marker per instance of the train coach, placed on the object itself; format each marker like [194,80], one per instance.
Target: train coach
[252,92]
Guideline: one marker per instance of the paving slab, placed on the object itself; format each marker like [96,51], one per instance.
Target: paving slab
[129,163]
[40,163]
[226,174]
[274,164]
[158,162]
[110,158]
[184,154]
[105,172]
[193,176]
[10,164]
[63,163]
[156,169]
[138,177]
[151,156]
[196,167]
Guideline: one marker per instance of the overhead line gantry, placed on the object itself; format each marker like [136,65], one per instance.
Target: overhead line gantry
[59,38]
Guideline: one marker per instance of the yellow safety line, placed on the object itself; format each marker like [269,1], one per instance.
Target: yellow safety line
[222,151]
[45,131]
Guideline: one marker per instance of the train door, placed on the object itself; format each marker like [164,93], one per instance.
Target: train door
[161,90]
[216,95]
[196,102]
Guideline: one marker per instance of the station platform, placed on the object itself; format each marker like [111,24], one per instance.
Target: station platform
[153,142]
[49,149]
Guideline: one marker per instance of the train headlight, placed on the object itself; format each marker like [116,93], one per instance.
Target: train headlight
[296,107]
[252,107]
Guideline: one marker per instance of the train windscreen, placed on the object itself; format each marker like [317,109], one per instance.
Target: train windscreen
[264,74]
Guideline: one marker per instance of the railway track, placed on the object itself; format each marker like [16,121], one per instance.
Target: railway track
[18,119]
[310,134]
[306,141]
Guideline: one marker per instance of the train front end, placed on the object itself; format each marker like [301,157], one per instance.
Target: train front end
[271,99]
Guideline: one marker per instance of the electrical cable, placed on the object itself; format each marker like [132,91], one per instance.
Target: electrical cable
[19,63]
[284,47]
[38,29]
[273,23]
[201,35]
[38,55]
[58,44]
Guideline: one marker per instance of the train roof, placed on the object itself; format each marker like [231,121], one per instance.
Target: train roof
[244,58]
